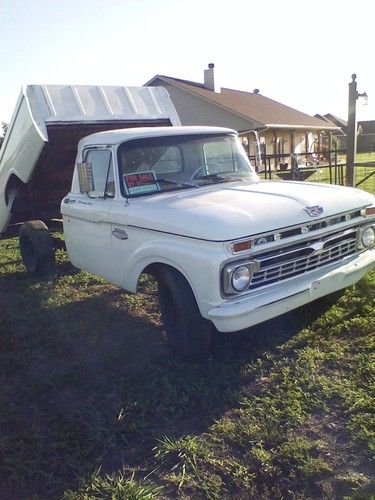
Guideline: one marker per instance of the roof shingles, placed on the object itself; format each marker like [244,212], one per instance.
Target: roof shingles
[255,107]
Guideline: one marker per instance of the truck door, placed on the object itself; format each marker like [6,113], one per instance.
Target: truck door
[85,216]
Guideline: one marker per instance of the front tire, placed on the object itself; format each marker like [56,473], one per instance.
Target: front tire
[188,333]
[37,250]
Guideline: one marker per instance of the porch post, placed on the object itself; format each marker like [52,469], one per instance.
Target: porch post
[275,149]
[306,146]
[329,147]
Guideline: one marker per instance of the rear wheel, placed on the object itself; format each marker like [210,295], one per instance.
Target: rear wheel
[37,250]
[188,333]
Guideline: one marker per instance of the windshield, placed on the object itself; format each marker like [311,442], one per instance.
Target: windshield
[180,162]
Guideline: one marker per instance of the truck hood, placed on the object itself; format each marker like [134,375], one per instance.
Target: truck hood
[235,210]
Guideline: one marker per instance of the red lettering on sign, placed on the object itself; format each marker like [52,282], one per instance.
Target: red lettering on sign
[141,179]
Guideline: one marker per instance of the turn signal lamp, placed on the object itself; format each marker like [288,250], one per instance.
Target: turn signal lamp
[242,246]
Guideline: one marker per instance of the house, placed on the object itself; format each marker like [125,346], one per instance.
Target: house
[340,134]
[366,136]
[365,130]
[281,129]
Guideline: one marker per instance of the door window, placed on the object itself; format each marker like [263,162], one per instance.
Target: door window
[102,172]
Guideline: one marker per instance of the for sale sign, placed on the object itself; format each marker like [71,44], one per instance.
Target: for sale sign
[141,182]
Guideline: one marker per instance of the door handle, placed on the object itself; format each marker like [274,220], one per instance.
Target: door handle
[69,200]
[120,234]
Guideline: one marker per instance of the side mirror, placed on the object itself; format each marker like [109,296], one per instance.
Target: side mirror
[85,177]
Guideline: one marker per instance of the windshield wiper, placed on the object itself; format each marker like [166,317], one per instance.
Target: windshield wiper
[220,178]
[177,182]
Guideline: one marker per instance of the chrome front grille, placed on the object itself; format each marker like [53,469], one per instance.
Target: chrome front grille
[309,227]
[293,260]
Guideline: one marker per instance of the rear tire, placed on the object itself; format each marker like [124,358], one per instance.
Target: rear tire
[188,333]
[37,250]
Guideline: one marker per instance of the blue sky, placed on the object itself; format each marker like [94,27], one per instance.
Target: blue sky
[298,53]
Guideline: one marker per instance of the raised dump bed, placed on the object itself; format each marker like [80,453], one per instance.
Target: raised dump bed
[38,152]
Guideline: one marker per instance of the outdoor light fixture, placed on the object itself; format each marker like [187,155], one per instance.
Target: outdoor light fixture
[364,98]
[357,95]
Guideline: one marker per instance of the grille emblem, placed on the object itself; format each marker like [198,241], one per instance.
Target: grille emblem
[317,248]
[314,211]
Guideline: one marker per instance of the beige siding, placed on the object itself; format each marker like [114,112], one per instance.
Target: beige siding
[193,110]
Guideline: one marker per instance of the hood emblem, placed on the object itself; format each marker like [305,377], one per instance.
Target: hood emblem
[314,211]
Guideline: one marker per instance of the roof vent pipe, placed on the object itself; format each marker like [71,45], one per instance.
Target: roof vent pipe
[209,78]
[256,91]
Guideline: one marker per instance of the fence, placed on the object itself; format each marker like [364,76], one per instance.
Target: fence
[326,166]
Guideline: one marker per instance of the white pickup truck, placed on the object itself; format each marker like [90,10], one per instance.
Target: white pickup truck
[184,204]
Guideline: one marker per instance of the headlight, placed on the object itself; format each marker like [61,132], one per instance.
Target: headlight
[237,276]
[368,237]
[241,278]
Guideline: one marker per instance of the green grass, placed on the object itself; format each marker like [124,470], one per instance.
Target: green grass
[94,406]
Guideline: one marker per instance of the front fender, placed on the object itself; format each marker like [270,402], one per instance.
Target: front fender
[198,263]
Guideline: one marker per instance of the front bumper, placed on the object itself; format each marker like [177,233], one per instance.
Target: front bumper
[260,306]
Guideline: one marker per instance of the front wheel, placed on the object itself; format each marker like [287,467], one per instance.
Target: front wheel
[188,333]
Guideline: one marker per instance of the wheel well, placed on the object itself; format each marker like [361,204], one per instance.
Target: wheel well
[13,188]
[156,270]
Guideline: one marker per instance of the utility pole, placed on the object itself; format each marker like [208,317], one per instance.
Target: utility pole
[351,135]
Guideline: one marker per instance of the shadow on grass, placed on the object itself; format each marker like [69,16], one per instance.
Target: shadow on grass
[91,382]
[251,343]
